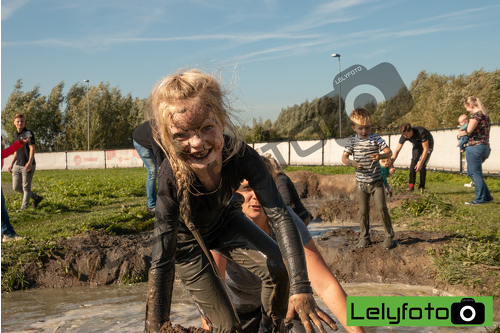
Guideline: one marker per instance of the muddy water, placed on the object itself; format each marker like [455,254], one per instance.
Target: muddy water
[121,308]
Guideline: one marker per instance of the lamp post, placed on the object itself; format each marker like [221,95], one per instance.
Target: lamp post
[88,115]
[336,55]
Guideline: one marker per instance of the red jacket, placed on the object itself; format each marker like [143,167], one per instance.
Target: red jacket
[11,150]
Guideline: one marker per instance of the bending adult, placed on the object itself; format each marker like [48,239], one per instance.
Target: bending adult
[287,189]
[423,144]
[477,148]
[152,156]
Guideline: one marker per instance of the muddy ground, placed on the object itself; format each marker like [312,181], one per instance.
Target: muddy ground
[100,259]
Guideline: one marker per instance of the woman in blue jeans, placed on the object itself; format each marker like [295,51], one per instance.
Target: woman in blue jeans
[477,148]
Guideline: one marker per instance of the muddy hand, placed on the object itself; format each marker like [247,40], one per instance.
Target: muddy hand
[305,306]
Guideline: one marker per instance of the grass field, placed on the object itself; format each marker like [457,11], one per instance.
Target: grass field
[114,200]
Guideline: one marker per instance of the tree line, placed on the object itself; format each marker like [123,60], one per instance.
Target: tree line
[60,121]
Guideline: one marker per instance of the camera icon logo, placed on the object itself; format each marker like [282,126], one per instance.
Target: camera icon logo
[385,78]
[467,312]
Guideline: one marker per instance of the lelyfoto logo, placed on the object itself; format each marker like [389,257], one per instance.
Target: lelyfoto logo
[357,87]
[419,311]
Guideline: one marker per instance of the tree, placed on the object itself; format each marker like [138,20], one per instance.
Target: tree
[42,114]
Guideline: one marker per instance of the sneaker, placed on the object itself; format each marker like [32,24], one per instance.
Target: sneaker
[363,242]
[474,202]
[410,187]
[422,190]
[388,243]
[14,237]
[151,210]
[488,201]
[37,201]
[471,184]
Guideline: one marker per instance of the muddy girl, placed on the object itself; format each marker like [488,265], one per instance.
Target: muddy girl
[206,162]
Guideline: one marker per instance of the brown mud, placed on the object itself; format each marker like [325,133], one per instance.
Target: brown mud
[97,258]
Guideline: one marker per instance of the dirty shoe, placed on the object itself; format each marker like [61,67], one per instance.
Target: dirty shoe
[14,237]
[388,243]
[363,242]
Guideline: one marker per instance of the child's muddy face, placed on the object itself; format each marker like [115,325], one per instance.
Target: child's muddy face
[198,137]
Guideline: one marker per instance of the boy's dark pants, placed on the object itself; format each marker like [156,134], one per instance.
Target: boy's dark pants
[363,192]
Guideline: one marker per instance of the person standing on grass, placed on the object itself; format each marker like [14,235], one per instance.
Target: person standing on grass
[204,166]
[23,164]
[477,148]
[152,156]
[9,234]
[423,144]
[365,148]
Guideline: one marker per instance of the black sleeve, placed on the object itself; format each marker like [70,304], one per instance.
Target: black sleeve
[284,189]
[287,234]
[162,270]
[402,140]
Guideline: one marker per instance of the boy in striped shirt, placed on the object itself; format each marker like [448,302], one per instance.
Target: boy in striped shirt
[367,149]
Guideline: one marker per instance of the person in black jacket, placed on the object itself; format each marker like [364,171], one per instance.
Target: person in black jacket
[423,144]
[152,156]
[287,189]
[196,213]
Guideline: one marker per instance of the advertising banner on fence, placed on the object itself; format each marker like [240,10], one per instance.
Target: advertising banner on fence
[86,160]
[126,158]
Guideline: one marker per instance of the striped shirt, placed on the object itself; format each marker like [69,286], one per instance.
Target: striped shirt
[361,149]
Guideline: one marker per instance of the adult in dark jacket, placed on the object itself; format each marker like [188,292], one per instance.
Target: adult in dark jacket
[423,144]
[287,189]
[151,155]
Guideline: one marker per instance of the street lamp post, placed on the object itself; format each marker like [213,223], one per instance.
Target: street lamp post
[88,115]
[336,55]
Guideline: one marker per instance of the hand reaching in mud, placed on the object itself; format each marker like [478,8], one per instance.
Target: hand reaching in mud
[305,306]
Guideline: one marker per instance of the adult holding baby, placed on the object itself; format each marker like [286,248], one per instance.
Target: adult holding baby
[477,148]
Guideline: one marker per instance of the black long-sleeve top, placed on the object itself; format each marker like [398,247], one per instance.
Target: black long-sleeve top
[208,211]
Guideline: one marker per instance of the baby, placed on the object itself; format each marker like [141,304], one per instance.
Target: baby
[463,121]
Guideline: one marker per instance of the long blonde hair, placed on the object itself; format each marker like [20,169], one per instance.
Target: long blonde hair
[476,102]
[170,96]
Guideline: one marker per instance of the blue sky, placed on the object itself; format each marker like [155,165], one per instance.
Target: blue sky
[272,53]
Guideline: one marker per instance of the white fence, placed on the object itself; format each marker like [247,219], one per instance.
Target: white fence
[445,157]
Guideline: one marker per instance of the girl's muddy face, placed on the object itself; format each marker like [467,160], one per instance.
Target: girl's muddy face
[198,137]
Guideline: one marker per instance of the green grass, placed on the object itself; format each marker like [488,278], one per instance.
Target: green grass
[114,200]
[75,201]
[472,257]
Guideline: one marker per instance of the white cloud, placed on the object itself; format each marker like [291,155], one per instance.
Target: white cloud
[10,6]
